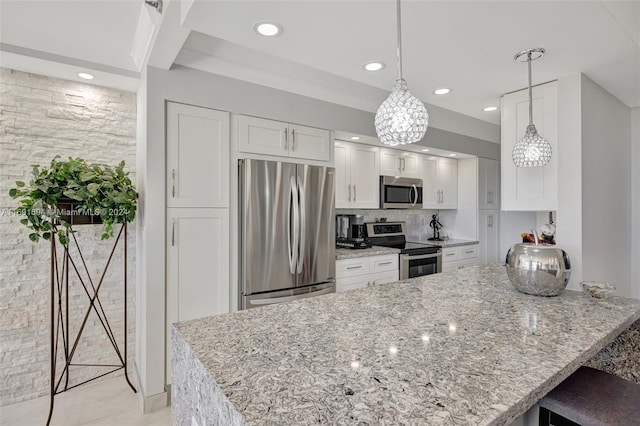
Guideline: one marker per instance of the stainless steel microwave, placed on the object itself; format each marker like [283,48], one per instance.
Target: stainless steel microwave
[400,193]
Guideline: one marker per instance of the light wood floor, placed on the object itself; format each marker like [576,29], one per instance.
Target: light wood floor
[108,402]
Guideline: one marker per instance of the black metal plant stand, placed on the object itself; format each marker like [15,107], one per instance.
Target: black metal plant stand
[60,332]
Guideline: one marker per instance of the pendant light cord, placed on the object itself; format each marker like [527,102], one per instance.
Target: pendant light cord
[399,38]
[530,92]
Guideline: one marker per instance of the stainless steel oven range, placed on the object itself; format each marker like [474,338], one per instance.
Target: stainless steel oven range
[416,259]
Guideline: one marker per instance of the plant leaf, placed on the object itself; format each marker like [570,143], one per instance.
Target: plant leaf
[34,237]
[19,183]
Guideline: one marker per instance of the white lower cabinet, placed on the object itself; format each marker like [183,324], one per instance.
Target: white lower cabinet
[360,272]
[458,257]
[197,266]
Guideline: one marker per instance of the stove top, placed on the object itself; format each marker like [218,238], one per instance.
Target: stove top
[392,234]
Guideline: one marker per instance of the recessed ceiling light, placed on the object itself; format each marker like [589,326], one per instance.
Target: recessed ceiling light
[425,150]
[267,29]
[373,66]
[355,138]
[85,75]
[490,108]
[452,155]
[441,91]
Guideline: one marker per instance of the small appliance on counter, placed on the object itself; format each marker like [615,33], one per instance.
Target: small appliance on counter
[351,232]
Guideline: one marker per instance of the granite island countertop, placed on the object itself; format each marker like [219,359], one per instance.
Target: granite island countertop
[454,242]
[469,350]
[343,253]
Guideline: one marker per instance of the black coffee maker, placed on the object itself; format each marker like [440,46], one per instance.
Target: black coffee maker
[351,232]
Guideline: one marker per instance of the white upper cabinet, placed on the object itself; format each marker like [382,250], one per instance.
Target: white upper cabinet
[529,188]
[197,156]
[394,162]
[488,184]
[439,183]
[309,143]
[268,137]
[357,175]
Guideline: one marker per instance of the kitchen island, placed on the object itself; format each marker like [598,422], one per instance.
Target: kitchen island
[457,348]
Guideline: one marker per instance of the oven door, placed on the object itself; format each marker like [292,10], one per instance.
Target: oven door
[419,265]
[400,193]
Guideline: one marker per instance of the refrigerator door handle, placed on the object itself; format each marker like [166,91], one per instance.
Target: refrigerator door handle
[303,225]
[293,223]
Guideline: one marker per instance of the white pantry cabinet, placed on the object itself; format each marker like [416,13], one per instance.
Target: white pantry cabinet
[529,188]
[197,266]
[439,183]
[394,162]
[197,156]
[269,137]
[357,175]
[488,184]
[361,272]
[489,236]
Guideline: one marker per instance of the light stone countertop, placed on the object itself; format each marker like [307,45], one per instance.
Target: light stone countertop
[343,253]
[454,242]
[461,348]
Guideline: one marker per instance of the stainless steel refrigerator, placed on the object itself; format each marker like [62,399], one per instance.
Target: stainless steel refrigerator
[287,232]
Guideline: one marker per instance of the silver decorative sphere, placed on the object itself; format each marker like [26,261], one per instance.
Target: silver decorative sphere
[541,270]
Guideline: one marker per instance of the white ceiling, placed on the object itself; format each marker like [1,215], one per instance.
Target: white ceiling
[97,31]
[464,45]
[467,46]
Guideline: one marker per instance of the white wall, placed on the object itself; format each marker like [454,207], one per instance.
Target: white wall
[569,213]
[606,187]
[635,204]
[43,117]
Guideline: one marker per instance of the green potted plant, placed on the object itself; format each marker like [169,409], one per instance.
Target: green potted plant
[74,191]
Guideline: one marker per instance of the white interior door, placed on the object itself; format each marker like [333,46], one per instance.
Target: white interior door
[197,156]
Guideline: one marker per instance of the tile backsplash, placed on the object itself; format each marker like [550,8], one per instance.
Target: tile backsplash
[418,229]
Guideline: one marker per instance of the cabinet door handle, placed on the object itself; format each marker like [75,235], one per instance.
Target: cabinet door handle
[349,191]
[400,164]
[354,267]
[385,263]
[355,194]
[450,254]
[173,232]
[286,139]
[293,140]
[469,251]
[404,163]
[173,182]
[490,197]
[490,221]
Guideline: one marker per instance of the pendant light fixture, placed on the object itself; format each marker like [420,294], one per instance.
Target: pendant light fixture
[532,150]
[402,118]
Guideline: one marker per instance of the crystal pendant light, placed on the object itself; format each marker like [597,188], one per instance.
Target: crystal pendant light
[532,150]
[402,118]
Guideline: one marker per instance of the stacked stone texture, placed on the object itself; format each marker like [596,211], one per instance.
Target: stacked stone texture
[41,117]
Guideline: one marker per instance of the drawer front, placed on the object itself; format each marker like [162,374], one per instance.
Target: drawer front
[457,264]
[383,277]
[449,255]
[384,263]
[468,252]
[352,283]
[352,267]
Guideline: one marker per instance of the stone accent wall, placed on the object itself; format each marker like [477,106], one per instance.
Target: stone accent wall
[41,117]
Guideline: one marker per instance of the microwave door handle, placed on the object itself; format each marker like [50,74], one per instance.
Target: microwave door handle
[302,226]
[415,189]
